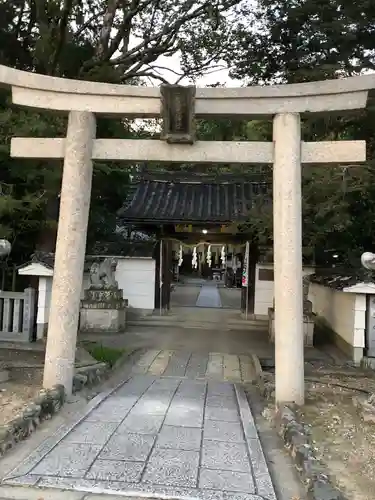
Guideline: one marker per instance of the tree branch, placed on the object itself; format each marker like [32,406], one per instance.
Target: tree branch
[105,32]
[62,31]
[89,22]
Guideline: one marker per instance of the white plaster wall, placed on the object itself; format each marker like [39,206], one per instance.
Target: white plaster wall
[136,277]
[345,312]
[359,334]
[264,290]
[44,299]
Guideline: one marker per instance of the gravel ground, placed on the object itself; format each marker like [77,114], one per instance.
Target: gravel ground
[14,397]
[343,441]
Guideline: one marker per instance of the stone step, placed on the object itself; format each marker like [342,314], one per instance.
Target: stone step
[208,313]
[206,325]
[171,318]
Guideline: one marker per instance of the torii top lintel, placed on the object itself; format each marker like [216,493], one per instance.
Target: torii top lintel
[46,92]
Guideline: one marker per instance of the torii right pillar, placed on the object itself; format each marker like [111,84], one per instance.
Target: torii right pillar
[287,234]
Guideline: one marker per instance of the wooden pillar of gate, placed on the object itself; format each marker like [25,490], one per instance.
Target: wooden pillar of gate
[163,263]
[157,276]
[250,289]
[167,273]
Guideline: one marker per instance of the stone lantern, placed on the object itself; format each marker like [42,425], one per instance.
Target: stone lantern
[5,248]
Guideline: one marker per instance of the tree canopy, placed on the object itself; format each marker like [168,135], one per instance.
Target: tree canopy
[293,41]
[124,41]
[116,41]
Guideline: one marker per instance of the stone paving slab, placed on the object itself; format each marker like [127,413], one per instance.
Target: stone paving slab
[177,437]
[192,365]
[209,296]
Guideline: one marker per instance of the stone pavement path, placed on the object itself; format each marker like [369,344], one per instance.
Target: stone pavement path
[209,296]
[210,365]
[158,436]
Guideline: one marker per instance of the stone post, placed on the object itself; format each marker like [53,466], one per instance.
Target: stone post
[70,251]
[28,313]
[287,230]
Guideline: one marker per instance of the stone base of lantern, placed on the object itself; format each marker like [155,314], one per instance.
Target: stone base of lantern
[103,310]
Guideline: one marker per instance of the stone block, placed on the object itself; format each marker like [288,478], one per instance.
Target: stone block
[103,295]
[165,384]
[265,487]
[191,389]
[220,389]
[136,386]
[102,319]
[180,400]
[112,470]
[172,467]
[216,401]
[110,411]
[141,424]
[197,365]
[181,416]
[323,490]
[181,438]
[91,433]
[128,447]
[222,414]
[223,431]
[46,404]
[257,458]
[177,364]
[50,401]
[297,440]
[68,460]
[225,456]
[226,480]
[149,405]
[79,381]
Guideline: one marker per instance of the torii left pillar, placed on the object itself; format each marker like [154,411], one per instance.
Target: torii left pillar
[70,251]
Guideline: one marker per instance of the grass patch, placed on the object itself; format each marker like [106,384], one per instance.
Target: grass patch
[103,353]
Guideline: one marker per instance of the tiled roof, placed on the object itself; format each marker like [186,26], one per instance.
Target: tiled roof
[130,248]
[340,280]
[46,258]
[178,202]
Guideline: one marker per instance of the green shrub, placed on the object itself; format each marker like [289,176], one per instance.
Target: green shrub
[103,353]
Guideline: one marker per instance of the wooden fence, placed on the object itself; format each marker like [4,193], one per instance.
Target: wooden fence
[17,315]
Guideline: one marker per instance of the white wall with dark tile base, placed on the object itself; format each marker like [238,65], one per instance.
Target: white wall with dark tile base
[135,276]
[345,312]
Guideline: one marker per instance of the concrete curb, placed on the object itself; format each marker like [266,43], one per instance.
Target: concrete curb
[298,442]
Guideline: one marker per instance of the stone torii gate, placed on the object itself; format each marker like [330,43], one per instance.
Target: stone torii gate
[284,104]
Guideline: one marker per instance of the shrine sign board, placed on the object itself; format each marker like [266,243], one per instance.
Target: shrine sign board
[177,111]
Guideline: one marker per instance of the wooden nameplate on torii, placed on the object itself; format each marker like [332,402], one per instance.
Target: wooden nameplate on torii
[178,114]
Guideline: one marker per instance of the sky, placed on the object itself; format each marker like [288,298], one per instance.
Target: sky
[173,63]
